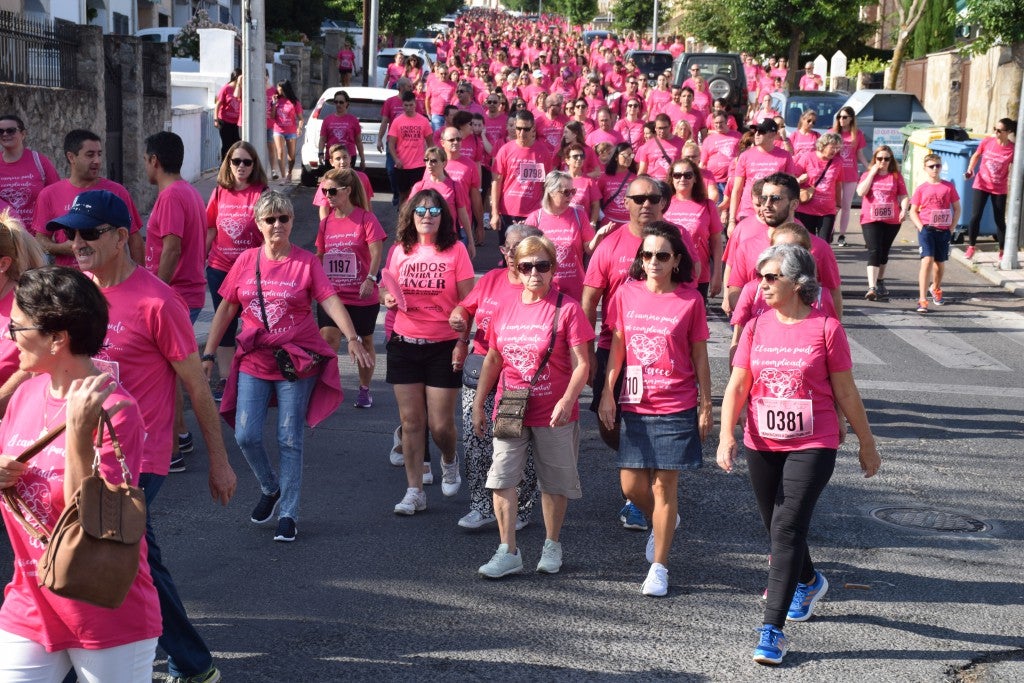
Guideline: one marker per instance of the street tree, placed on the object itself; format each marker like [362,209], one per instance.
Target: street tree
[997,21]
[908,13]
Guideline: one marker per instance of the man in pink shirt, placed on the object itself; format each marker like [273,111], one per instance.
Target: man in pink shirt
[656,156]
[604,131]
[760,161]
[465,173]
[407,141]
[391,108]
[440,91]
[464,99]
[552,122]
[810,80]
[517,185]
[149,344]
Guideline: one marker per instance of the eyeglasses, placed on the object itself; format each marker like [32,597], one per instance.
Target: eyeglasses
[883,158]
[520,129]
[998,130]
[770,278]
[283,219]
[579,105]
[12,329]
[461,92]
[431,161]
[641,199]
[9,131]
[576,156]
[771,198]
[87,234]
[933,165]
[338,103]
[331,191]
[662,128]
[491,102]
[630,105]
[567,192]
[527,267]
[422,211]
[630,82]
[843,117]
[236,161]
[662,256]
[452,139]
[686,175]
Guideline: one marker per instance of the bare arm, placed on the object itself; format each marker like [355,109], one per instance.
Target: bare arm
[607,407]
[562,412]
[699,358]
[169,257]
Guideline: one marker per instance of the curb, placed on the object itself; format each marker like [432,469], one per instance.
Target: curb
[986,265]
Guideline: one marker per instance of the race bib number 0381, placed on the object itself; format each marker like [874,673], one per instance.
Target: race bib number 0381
[785,418]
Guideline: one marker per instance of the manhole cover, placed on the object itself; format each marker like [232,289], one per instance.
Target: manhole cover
[929,519]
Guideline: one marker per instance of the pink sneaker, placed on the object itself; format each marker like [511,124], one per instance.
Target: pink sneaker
[969,253]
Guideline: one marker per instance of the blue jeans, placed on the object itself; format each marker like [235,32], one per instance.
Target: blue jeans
[389,168]
[215,278]
[437,121]
[251,413]
[187,654]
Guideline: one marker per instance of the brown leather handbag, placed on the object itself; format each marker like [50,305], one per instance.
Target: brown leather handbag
[92,554]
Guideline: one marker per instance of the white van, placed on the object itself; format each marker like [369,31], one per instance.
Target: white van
[163,34]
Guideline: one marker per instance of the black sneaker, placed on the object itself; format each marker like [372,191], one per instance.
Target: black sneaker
[842,240]
[286,530]
[265,509]
[177,463]
[185,443]
[883,291]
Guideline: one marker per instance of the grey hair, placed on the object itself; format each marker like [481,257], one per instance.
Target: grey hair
[517,232]
[272,202]
[828,139]
[551,182]
[797,265]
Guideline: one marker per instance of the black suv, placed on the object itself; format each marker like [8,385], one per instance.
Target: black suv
[650,62]
[724,73]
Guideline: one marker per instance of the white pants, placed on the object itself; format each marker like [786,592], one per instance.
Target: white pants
[26,661]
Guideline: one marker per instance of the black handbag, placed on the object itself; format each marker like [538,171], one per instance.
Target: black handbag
[471,368]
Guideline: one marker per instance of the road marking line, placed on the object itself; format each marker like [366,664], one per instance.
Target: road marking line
[867,385]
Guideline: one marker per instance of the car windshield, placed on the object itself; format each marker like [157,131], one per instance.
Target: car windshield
[712,67]
[364,110]
[652,62]
[825,108]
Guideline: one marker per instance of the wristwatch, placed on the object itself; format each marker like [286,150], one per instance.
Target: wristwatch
[207,357]
[356,338]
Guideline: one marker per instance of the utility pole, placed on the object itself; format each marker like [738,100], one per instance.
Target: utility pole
[654,30]
[254,75]
[370,65]
[1010,260]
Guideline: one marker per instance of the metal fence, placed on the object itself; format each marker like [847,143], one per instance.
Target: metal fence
[38,53]
[210,143]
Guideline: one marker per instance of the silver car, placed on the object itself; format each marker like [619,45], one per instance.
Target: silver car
[365,104]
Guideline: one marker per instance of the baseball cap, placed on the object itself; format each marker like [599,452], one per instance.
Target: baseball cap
[92,209]
[766,126]
[538,73]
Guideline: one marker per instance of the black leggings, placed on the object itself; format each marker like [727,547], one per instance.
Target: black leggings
[787,485]
[878,239]
[998,213]
[822,226]
[230,133]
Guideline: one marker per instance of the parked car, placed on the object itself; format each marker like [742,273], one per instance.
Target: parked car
[600,34]
[387,56]
[422,44]
[826,103]
[724,73]
[165,34]
[881,114]
[365,104]
[650,62]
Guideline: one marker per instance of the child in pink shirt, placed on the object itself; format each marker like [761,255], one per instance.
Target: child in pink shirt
[934,209]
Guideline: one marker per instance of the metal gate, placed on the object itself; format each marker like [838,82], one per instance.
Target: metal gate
[113,150]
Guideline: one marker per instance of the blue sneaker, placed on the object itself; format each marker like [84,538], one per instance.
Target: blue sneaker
[805,597]
[632,518]
[772,645]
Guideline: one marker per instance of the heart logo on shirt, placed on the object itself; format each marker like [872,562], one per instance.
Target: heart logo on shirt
[781,383]
[521,358]
[16,196]
[275,311]
[563,252]
[647,349]
[233,227]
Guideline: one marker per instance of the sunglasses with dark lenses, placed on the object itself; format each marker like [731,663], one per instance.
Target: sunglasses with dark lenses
[567,192]
[431,161]
[933,166]
[771,198]
[527,267]
[632,104]
[576,156]
[662,256]
[331,191]
[770,278]
[87,234]
[283,219]
[883,158]
[492,102]
[9,131]
[235,161]
[422,211]
[338,103]
[998,130]
[688,175]
[644,198]
[520,129]
[843,117]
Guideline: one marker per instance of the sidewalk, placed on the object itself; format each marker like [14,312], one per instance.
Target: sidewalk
[986,265]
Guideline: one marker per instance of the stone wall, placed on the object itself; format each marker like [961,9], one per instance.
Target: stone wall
[943,94]
[994,91]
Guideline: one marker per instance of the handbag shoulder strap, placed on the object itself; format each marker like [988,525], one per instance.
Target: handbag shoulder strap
[611,199]
[664,154]
[551,342]
[824,171]
[259,290]
[17,506]
[115,442]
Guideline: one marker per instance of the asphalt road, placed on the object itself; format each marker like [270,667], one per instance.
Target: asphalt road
[364,594]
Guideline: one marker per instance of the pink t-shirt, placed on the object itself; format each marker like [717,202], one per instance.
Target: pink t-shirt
[429,280]
[33,612]
[751,303]
[791,401]
[934,202]
[488,294]
[882,201]
[743,260]
[230,214]
[631,132]
[229,109]
[614,189]
[659,158]
[442,93]
[609,269]
[805,143]
[391,109]
[810,82]
[179,210]
[551,129]
[717,152]
[287,115]
[465,174]
[55,201]
[587,192]
[701,222]
[521,333]
[755,164]
[658,331]
[342,130]
[523,170]
[9,353]
[289,288]
[22,180]
[455,194]
[149,328]
[851,146]
[823,203]
[411,134]
[569,230]
[993,169]
[597,136]
[346,59]
[345,245]
[496,130]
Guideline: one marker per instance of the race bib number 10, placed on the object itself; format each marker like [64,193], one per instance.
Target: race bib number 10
[632,385]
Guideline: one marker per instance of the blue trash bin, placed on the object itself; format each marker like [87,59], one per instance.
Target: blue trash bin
[955,157]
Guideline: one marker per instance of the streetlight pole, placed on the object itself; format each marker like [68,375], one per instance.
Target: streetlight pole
[654,31]
[1013,211]
[254,101]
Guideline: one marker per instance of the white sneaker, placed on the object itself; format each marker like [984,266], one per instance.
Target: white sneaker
[649,552]
[451,480]
[428,474]
[550,557]
[475,520]
[396,457]
[522,522]
[414,501]
[656,583]
[503,563]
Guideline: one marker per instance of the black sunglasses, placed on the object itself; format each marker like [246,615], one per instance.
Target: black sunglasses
[331,191]
[9,131]
[527,267]
[283,219]
[770,278]
[683,174]
[12,329]
[235,161]
[662,256]
[87,234]
[644,198]
[422,211]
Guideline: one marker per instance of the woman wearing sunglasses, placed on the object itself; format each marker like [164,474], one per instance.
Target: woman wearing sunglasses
[659,346]
[884,205]
[456,195]
[691,210]
[573,134]
[425,355]
[339,158]
[588,193]
[820,172]
[19,252]
[992,160]
[804,139]
[793,365]
[23,171]
[280,354]
[519,337]
[845,125]
[614,182]
[230,230]
[350,244]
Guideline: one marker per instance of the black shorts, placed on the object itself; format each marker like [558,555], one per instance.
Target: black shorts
[429,364]
[364,318]
[405,178]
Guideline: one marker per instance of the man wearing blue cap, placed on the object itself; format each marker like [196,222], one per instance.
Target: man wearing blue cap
[150,343]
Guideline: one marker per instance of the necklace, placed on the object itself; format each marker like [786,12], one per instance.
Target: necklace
[46,407]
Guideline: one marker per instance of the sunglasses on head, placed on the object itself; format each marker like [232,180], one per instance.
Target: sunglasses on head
[527,267]
[87,234]
[662,256]
[422,211]
[331,191]
[236,161]
[688,175]
[283,219]
[644,198]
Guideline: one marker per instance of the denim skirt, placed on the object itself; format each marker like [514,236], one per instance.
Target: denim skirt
[660,442]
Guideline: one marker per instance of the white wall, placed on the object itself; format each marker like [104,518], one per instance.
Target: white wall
[187,122]
[72,10]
